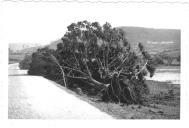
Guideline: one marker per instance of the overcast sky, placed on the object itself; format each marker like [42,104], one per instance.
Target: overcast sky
[46,22]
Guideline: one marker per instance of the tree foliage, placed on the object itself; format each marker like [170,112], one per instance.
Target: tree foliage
[25,63]
[42,64]
[97,58]
[165,59]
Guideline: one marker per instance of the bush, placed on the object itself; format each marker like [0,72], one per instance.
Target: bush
[25,63]
[42,65]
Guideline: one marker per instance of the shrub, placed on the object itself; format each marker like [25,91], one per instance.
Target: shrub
[25,63]
[42,65]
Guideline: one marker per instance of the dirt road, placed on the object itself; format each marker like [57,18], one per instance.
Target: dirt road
[33,97]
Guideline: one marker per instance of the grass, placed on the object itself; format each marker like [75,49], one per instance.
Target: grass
[160,104]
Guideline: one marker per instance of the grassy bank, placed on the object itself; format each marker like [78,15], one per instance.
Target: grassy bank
[163,102]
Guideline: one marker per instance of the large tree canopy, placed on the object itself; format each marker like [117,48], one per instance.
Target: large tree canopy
[99,58]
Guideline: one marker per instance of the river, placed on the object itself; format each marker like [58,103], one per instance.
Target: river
[169,74]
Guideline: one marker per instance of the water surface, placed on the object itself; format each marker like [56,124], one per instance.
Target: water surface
[167,74]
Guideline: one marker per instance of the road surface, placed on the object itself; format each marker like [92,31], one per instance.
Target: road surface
[34,97]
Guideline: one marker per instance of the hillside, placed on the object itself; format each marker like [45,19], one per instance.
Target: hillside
[155,40]
[21,46]
[53,44]
[29,50]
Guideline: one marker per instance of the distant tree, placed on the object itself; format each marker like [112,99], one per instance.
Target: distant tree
[178,58]
[158,60]
[167,57]
[10,51]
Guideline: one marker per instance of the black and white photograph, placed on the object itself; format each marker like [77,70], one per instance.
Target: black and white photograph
[95,60]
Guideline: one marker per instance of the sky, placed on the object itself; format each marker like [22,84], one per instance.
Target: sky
[37,22]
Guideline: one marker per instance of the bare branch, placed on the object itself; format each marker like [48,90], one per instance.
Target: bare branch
[62,71]
[85,74]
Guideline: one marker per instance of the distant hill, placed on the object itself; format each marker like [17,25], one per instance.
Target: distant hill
[53,44]
[20,46]
[29,50]
[155,40]
[17,52]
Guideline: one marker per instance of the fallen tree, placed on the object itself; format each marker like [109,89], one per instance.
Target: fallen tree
[97,58]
